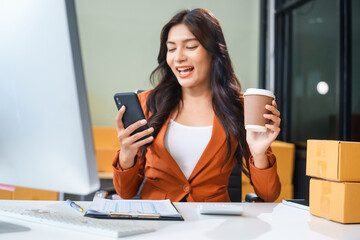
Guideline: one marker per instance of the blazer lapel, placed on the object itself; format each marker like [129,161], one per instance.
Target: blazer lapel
[218,138]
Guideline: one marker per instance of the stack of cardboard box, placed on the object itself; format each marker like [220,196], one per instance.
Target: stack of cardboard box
[335,186]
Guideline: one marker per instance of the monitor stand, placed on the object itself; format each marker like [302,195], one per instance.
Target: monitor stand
[6,227]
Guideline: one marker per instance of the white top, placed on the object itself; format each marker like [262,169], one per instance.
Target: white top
[186,144]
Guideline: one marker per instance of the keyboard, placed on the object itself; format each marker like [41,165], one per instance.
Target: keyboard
[77,222]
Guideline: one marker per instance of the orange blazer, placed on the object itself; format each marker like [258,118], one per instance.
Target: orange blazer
[208,181]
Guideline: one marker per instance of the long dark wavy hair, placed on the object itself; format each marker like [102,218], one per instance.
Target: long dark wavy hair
[226,102]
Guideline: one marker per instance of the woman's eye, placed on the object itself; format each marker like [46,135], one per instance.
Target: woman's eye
[192,47]
[171,49]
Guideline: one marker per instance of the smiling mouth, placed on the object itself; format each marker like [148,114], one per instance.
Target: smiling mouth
[185,71]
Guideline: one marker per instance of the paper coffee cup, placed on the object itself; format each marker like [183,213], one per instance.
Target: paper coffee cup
[254,108]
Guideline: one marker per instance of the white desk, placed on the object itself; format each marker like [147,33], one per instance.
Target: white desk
[259,221]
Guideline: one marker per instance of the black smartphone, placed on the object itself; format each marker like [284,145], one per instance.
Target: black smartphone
[133,111]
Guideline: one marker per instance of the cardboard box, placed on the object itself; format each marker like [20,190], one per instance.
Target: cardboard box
[105,137]
[333,160]
[245,189]
[244,179]
[6,195]
[22,193]
[287,191]
[104,158]
[106,144]
[284,153]
[337,201]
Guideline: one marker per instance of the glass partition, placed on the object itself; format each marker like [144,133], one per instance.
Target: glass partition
[314,79]
[355,95]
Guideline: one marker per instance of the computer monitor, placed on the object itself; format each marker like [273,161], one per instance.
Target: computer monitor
[45,129]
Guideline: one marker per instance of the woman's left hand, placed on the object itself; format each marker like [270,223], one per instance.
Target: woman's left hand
[259,142]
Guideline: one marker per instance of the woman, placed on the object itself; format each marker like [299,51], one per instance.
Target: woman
[196,118]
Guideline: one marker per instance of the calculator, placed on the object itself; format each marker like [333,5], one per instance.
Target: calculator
[220,209]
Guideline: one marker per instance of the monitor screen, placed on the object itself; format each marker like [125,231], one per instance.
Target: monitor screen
[45,129]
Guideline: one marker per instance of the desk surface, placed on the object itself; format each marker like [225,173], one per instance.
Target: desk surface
[259,221]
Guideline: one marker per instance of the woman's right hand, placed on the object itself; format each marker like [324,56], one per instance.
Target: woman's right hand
[129,144]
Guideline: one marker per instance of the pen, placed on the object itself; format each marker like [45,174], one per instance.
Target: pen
[134,215]
[74,205]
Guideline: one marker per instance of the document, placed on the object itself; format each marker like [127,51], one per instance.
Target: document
[140,209]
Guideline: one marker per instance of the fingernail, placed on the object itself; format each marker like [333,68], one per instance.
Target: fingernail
[150,129]
[143,121]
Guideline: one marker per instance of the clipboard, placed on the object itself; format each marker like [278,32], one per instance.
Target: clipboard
[94,212]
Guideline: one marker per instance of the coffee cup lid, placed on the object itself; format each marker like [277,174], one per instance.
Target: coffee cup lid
[258,91]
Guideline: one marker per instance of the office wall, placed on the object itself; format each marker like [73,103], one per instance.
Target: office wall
[120,43]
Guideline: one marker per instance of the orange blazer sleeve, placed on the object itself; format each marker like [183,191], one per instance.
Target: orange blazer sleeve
[127,182]
[266,182]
